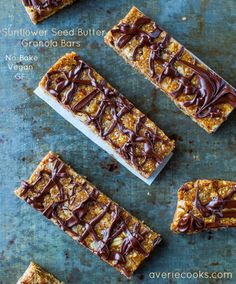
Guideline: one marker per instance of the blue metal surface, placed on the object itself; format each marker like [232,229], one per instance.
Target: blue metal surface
[29,129]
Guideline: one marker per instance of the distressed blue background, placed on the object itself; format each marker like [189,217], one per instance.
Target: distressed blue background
[29,129]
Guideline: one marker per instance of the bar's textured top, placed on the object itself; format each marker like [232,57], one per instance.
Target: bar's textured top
[195,89]
[87,215]
[39,10]
[37,275]
[107,113]
[204,205]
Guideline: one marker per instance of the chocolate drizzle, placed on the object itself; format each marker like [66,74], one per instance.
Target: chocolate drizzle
[42,4]
[218,207]
[132,237]
[212,89]
[64,85]
[190,223]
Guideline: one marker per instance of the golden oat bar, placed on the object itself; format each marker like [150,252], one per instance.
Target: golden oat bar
[37,275]
[204,205]
[84,93]
[39,10]
[197,90]
[87,215]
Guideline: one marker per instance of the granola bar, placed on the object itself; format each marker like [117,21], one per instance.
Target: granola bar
[87,215]
[204,205]
[37,275]
[197,90]
[84,93]
[39,10]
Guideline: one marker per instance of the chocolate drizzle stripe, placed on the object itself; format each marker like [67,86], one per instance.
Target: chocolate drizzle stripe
[190,223]
[216,205]
[132,239]
[229,204]
[212,91]
[26,186]
[229,214]
[42,4]
[65,85]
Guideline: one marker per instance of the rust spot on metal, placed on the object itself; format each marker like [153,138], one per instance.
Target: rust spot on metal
[41,132]
[176,137]
[204,4]
[141,277]
[210,236]
[153,107]
[67,255]
[29,91]
[110,166]
[11,242]
[94,45]
[215,264]
[201,23]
